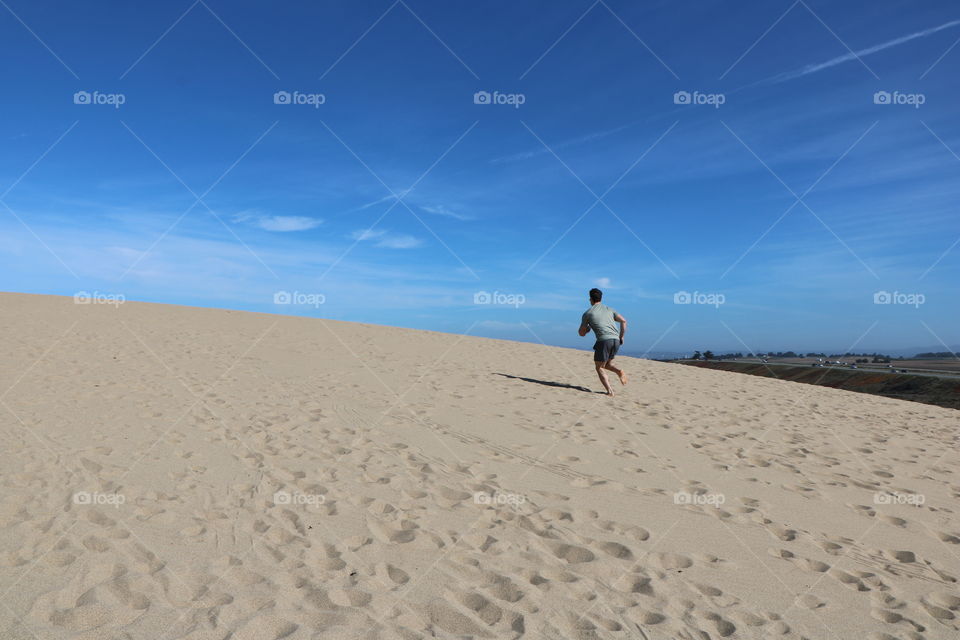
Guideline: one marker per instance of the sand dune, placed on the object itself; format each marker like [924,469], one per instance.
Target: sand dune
[177,473]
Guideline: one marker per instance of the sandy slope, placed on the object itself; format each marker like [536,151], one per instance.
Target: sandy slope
[255,477]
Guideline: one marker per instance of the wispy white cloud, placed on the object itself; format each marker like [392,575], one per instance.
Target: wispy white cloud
[278,223]
[596,135]
[854,55]
[602,282]
[440,210]
[399,241]
[366,234]
[433,209]
[387,198]
[288,223]
[387,239]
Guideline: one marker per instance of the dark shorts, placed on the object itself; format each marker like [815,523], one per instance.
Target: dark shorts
[604,350]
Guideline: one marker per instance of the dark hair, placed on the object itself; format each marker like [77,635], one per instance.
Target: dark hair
[596,295]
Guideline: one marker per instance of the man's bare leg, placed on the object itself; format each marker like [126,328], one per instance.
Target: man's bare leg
[620,372]
[603,377]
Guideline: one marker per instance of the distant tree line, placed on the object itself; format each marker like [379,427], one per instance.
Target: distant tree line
[860,357]
[710,355]
[877,358]
[865,357]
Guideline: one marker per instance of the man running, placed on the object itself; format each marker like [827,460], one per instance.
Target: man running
[603,320]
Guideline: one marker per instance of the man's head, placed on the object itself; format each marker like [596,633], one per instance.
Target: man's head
[595,296]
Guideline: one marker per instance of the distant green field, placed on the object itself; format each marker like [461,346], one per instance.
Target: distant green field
[941,392]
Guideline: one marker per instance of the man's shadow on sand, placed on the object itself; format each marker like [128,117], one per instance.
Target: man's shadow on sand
[547,383]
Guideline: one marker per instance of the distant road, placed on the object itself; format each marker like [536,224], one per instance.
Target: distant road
[930,373]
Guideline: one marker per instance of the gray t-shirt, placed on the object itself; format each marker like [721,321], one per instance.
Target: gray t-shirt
[599,317]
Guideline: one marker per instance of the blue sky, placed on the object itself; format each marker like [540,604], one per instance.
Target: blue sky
[781,193]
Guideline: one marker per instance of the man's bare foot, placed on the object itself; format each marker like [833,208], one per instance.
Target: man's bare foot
[610,393]
[623,376]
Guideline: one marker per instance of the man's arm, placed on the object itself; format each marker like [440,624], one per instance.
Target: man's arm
[623,325]
[584,328]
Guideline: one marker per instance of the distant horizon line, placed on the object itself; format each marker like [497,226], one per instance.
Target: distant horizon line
[637,353]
